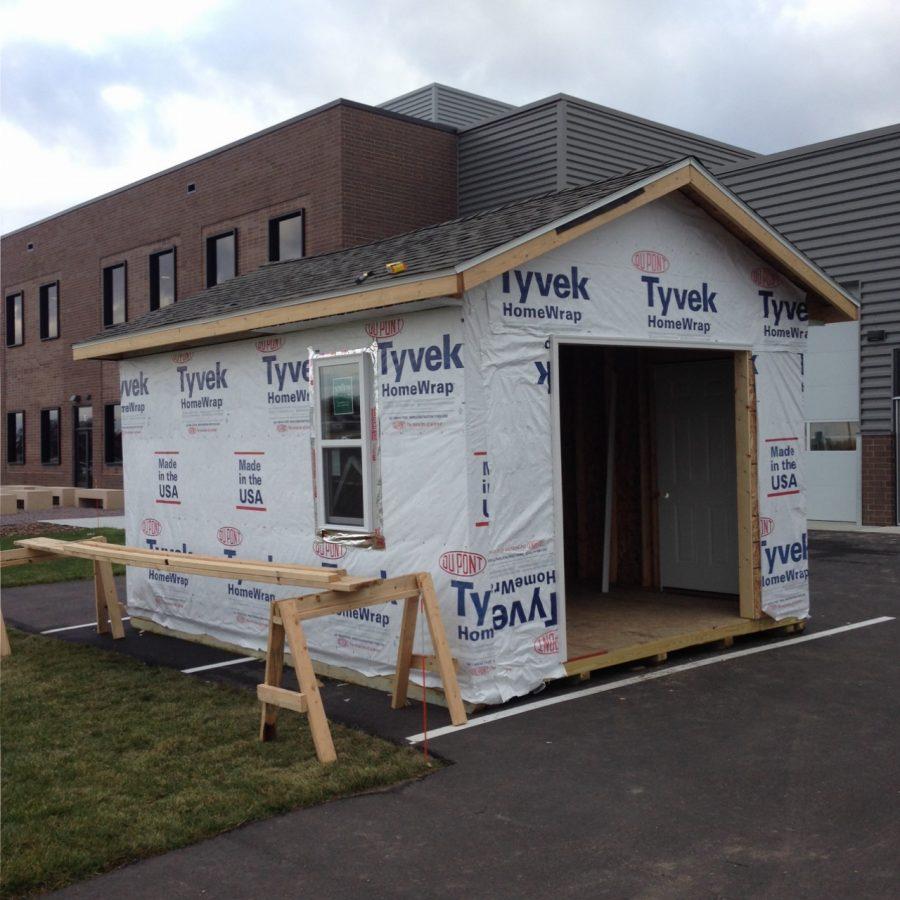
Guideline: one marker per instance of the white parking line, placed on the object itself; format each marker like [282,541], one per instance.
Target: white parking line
[73,627]
[637,679]
[219,665]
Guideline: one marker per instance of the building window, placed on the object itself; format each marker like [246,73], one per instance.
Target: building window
[15,320]
[162,279]
[15,438]
[50,437]
[221,258]
[112,432]
[49,311]
[286,237]
[343,429]
[115,309]
[833,435]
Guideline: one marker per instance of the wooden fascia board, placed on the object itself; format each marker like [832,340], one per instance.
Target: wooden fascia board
[550,240]
[245,325]
[827,303]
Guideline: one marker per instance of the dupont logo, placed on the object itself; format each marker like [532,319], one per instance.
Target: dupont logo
[765,278]
[151,527]
[182,357]
[327,550]
[462,562]
[269,344]
[766,526]
[384,328]
[547,644]
[281,427]
[651,261]
[192,429]
[229,536]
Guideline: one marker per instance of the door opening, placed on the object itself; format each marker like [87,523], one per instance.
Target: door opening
[649,493]
[84,447]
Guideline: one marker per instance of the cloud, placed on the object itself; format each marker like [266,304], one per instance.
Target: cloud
[109,92]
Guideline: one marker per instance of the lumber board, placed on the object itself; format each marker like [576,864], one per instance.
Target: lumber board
[745,449]
[404,650]
[431,663]
[273,675]
[23,556]
[270,695]
[5,649]
[323,604]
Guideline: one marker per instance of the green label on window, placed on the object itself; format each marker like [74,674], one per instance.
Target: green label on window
[342,396]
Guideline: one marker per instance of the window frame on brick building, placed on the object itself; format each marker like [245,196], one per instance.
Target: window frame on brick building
[15,452]
[212,258]
[16,299]
[275,254]
[109,302]
[48,456]
[44,311]
[156,295]
[112,434]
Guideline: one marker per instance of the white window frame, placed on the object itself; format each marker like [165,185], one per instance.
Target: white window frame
[362,360]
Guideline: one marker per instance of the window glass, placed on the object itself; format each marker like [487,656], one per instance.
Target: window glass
[49,436]
[339,402]
[343,484]
[290,237]
[162,279]
[833,435]
[113,434]
[50,311]
[84,416]
[114,311]
[15,437]
[15,321]
[221,259]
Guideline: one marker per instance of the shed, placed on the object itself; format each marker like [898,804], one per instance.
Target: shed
[580,412]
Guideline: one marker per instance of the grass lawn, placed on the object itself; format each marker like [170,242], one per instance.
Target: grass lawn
[61,569]
[106,761]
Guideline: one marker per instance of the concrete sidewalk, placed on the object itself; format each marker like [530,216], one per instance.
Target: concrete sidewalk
[771,775]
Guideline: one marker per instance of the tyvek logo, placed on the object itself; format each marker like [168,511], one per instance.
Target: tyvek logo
[384,328]
[784,312]
[151,527]
[462,562]
[765,278]
[202,379]
[670,299]
[229,536]
[766,526]
[269,344]
[551,286]
[134,387]
[412,361]
[327,550]
[651,261]
[182,357]
[547,643]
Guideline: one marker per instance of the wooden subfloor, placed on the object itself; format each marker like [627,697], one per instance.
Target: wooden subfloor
[631,623]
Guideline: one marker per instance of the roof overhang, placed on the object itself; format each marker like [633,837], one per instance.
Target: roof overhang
[827,301]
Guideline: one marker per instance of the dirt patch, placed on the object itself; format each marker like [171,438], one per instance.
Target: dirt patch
[35,529]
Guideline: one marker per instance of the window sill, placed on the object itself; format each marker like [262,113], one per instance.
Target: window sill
[46,339]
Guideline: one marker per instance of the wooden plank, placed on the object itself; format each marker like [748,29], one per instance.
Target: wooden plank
[103,578]
[746,482]
[268,722]
[273,696]
[5,649]
[328,602]
[309,686]
[441,649]
[431,663]
[23,556]
[100,602]
[404,651]
[244,324]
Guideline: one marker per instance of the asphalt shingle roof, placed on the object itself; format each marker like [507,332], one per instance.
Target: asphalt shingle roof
[432,249]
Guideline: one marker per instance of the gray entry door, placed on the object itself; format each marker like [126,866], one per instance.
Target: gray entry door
[696,480]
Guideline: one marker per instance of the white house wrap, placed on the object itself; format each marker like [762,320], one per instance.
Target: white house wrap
[218,458]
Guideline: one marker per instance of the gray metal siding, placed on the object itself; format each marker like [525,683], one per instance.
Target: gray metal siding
[447,106]
[839,202]
[601,143]
[510,159]
[503,159]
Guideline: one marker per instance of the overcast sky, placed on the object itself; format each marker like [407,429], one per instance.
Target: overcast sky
[97,93]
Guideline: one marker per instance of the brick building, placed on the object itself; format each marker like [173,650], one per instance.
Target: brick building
[347,173]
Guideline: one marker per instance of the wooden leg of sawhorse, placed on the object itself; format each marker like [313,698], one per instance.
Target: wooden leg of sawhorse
[106,601]
[441,650]
[5,649]
[309,687]
[404,652]
[273,676]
